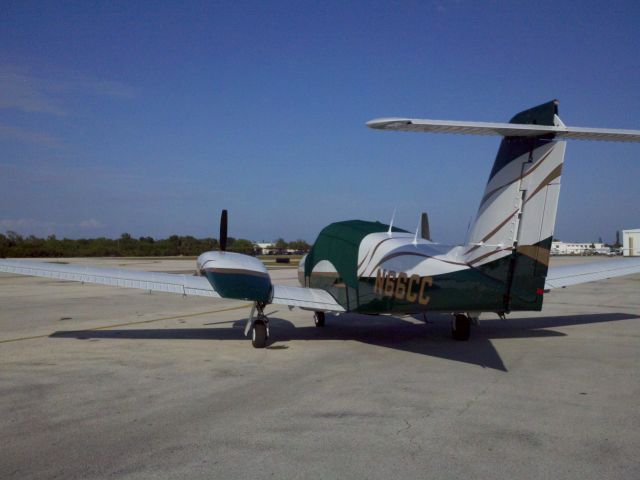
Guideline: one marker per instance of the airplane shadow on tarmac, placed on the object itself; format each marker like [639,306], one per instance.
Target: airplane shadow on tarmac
[430,339]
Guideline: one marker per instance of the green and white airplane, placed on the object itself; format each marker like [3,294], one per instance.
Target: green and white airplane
[373,268]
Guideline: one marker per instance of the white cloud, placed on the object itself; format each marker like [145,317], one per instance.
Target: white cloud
[91,224]
[24,224]
[22,90]
[28,136]
[107,88]
[30,226]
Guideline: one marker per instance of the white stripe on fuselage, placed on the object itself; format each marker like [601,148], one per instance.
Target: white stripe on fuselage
[398,252]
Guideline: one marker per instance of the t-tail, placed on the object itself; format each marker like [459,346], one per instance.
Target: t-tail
[511,236]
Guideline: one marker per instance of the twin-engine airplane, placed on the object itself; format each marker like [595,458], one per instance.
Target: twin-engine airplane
[372,268]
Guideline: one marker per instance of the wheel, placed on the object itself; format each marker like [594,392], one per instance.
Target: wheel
[318,318]
[259,334]
[460,327]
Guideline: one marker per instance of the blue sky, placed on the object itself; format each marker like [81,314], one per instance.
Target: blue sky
[150,117]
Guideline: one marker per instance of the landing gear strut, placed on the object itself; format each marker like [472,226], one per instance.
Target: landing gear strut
[259,326]
[318,318]
[460,327]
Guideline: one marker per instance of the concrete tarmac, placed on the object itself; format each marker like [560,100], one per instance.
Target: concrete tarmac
[101,382]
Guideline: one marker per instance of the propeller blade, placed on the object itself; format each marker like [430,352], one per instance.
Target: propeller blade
[424,227]
[223,231]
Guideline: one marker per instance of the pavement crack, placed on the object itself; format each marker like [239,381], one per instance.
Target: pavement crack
[413,441]
[472,401]
[404,429]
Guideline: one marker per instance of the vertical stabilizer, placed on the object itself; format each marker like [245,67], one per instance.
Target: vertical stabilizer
[511,236]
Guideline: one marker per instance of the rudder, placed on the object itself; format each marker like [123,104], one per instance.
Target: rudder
[511,236]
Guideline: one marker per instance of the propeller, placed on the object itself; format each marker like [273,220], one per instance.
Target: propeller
[223,231]
[424,227]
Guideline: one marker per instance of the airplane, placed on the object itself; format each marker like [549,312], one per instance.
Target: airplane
[374,268]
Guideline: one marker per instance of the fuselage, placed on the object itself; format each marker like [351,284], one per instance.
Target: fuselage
[395,272]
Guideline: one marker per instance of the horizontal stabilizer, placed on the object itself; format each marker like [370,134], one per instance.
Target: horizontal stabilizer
[504,129]
[566,275]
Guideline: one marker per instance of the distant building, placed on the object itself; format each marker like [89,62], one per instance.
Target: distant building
[570,248]
[631,243]
[266,248]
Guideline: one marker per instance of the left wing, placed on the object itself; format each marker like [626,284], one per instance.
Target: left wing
[157,282]
[304,297]
[309,298]
[566,275]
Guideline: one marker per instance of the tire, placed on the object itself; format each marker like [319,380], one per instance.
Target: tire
[259,334]
[318,318]
[461,327]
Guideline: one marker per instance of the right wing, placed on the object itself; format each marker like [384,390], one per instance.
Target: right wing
[566,275]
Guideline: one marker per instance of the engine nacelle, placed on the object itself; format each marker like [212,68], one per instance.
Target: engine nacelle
[234,275]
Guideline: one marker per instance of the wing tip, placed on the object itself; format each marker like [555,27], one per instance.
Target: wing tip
[384,123]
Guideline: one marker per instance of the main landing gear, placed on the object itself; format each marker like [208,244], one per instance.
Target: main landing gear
[259,334]
[460,327]
[318,318]
[259,326]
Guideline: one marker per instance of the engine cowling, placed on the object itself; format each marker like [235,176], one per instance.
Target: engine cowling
[237,276]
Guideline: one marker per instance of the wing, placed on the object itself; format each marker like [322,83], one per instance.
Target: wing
[503,129]
[157,282]
[310,298]
[566,275]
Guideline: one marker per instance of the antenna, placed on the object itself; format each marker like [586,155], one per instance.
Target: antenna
[393,217]
[418,228]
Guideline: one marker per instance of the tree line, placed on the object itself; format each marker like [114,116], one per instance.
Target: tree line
[14,245]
